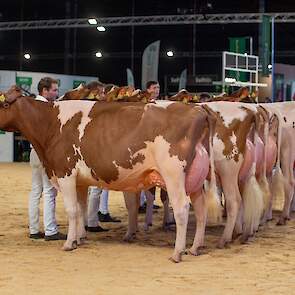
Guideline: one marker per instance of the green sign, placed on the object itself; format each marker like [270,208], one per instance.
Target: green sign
[24,81]
[238,45]
[2,132]
[76,83]
[265,44]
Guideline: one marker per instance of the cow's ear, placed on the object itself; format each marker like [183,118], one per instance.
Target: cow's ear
[2,97]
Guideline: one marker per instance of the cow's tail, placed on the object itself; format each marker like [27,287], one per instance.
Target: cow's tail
[253,204]
[252,198]
[263,182]
[277,177]
[213,200]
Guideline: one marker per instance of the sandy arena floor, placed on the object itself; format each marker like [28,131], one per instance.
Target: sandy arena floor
[106,265]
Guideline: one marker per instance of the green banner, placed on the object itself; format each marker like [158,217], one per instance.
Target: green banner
[24,81]
[265,44]
[76,83]
[2,132]
[238,45]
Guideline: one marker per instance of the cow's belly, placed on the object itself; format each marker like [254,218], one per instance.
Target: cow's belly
[132,180]
[144,176]
[249,158]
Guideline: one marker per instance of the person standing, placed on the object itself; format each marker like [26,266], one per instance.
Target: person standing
[48,91]
[98,209]
[147,198]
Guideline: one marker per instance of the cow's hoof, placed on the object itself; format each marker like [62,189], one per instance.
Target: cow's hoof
[223,244]
[169,226]
[128,238]
[146,226]
[245,239]
[81,241]
[282,221]
[236,235]
[176,258]
[194,251]
[71,247]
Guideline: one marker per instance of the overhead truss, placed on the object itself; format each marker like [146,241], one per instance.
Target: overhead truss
[147,21]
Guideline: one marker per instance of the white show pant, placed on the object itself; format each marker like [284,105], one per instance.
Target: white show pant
[97,201]
[41,184]
[104,202]
[93,206]
[142,198]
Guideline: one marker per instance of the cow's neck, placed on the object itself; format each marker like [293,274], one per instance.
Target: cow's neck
[37,122]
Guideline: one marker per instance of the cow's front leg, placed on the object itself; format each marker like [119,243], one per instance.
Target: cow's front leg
[69,193]
[132,205]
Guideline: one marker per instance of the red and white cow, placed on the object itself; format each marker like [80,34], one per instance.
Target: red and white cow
[238,147]
[285,111]
[119,146]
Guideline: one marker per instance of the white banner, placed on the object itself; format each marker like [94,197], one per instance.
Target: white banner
[182,80]
[7,79]
[130,78]
[150,62]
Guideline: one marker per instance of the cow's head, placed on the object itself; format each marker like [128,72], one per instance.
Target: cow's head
[112,94]
[240,94]
[8,115]
[125,91]
[183,96]
[93,90]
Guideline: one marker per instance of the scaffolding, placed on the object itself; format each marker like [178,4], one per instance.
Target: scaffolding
[201,19]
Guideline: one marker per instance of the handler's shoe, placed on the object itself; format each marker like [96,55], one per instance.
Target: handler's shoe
[55,237]
[107,218]
[37,236]
[95,229]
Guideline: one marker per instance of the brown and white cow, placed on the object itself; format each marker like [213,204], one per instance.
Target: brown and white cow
[235,147]
[238,150]
[119,146]
[255,150]
[285,112]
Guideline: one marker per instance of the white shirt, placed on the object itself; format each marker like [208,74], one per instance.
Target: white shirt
[41,98]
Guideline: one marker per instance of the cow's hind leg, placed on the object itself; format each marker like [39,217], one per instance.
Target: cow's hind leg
[149,210]
[287,168]
[180,204]
[200,209]
[229,180]
[168,219]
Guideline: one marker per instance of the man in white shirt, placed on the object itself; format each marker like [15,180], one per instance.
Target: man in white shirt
[148,197]
[48,91]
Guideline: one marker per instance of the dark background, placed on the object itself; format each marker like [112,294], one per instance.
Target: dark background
[47,47]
